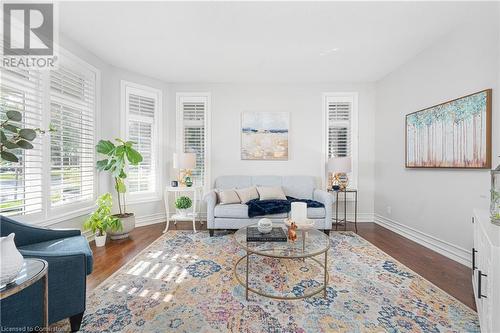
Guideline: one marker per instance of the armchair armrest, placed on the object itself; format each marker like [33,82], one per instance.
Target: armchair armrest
[27,234]
[67,282]
[326,199]
[211,200]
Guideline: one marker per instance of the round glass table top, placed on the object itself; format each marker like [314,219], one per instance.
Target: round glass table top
[32,270]
[309,243]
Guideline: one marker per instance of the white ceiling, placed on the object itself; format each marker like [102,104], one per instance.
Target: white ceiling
[260,41]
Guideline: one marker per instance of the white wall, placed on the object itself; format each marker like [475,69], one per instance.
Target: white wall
[431,205]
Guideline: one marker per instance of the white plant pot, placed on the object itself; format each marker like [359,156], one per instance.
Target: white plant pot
[182,212]
[11,260]
[100,241]
[128,223]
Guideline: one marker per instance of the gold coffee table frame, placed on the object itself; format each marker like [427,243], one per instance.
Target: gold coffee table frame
[269,253]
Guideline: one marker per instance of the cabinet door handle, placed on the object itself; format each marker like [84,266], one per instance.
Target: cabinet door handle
[479,291]
[473,220]
[473,260]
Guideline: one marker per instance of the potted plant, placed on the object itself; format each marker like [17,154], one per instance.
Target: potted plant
[182,204]
[116,163]
[101,220]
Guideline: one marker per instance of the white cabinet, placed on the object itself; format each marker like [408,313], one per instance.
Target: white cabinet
[486,271]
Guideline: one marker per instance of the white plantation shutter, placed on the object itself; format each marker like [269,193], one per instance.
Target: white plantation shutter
[194,136]
[21,183]
[141,121]
[193,132]
[72,105]
[339,128]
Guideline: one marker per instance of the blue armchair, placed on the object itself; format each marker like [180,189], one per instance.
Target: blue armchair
[70,261]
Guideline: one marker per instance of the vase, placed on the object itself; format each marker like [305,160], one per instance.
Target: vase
[11,261]
[100,241]
[128,223]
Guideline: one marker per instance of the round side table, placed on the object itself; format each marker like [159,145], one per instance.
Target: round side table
[32,271]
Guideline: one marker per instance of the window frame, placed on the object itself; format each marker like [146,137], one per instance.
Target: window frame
[49,214]
[127,87]
[195,97]
[341,97]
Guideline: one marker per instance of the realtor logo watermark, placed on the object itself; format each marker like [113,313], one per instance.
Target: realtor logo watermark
[29,35]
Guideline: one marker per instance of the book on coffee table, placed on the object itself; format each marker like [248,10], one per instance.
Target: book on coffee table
[276,235]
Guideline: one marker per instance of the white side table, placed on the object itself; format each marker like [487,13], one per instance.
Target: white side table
[179,191]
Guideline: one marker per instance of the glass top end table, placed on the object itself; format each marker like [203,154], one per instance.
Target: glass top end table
[309,244]
[33,270]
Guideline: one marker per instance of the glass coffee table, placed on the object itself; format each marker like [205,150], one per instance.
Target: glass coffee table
[310,244]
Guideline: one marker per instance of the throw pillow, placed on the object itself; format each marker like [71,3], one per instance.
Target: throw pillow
[271,193]
[228,197]
[247,194]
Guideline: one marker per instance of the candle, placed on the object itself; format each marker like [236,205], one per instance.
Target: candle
[299,212]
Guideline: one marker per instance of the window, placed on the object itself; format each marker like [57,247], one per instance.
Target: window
[193,131]
[72,105]
[340,131]
[21,182]
[57,177]
[141,115]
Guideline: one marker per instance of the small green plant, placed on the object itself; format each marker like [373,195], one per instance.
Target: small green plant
[101,219]
[183,203]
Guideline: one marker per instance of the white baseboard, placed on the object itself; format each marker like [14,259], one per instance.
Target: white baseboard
[362,217]
[445,248]
[141,221]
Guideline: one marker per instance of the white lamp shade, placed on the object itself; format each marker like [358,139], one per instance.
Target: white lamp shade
[340,164]
[184,161]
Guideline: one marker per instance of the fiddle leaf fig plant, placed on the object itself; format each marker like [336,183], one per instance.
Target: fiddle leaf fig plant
[13,137]
[116,162]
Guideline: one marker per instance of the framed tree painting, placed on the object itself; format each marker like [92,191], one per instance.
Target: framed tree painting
[264,135]
[454,134]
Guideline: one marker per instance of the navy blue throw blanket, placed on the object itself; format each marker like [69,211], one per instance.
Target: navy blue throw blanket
[258,207]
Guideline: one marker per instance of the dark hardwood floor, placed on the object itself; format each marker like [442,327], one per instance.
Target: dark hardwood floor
[445,273]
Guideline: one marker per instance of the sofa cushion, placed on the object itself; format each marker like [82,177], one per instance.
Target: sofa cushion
[316,213]
[271,193]
[247,194]
[239,211]
[300,187]
[70,245]
[267,180]
[227,197]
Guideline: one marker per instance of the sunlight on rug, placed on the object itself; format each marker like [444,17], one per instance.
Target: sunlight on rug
[184,282]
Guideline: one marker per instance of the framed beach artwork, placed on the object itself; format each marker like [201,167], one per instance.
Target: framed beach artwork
[264,135]
[454,134]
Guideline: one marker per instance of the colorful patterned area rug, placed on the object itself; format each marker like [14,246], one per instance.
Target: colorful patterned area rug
[184,282]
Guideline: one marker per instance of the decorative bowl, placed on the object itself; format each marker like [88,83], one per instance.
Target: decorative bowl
[265,226]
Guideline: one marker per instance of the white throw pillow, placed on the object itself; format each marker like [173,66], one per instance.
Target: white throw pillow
[271,193]
[247,194]
[227,197]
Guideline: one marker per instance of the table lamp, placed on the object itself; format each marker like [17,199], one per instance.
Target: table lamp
[340,167]
[185,162]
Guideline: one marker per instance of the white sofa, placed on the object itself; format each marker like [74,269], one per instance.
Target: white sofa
[235,216]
